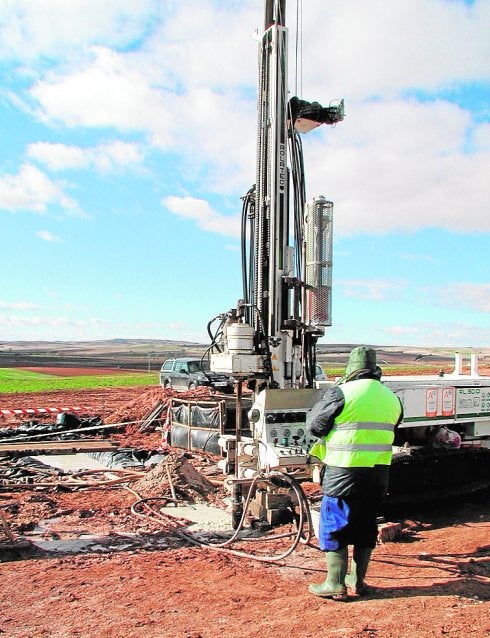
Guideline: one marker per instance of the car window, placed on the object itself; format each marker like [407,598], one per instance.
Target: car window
[168,364]
[194,366]
[181,366]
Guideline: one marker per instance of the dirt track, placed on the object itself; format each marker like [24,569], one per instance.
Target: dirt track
[433,583]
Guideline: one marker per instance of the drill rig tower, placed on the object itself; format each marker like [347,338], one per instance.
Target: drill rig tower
[271,334]
[269,338]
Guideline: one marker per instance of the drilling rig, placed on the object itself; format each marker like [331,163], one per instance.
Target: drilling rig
[268,341]
[269,338]
[271,334]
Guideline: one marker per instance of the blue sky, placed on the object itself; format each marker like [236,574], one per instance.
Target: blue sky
[128,135]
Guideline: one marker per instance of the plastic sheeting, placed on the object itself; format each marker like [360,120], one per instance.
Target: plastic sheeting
[196,427]
[17,469]
[25,469]
[127,457]
[30,430]
[195,415]
[191,439]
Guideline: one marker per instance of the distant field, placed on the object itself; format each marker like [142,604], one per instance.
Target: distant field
[392,370]
[19,380]
[60,371]
[64,378]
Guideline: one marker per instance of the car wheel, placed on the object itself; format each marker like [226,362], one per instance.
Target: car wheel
[192,385]
[167,385]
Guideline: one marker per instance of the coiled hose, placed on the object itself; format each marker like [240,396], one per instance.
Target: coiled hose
[276,479]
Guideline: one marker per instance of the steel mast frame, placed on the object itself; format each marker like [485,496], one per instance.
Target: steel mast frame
[272,260]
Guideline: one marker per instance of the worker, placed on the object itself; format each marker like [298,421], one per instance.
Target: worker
[355,423]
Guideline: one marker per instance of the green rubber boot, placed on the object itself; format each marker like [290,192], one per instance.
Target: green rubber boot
[358,569]
[334,585]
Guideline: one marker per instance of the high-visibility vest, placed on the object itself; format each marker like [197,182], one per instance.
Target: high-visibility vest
[363,433]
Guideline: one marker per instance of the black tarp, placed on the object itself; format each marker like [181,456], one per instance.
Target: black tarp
[31,430]
[196,427]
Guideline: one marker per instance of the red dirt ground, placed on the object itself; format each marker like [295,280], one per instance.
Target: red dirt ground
[434,583]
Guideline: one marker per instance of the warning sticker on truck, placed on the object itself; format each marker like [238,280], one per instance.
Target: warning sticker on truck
[447,401]
[431,402]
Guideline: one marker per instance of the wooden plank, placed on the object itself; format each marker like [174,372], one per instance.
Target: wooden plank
[152,416]
[57,447]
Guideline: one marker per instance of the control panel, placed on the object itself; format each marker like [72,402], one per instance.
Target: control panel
[285,432]
[278,423]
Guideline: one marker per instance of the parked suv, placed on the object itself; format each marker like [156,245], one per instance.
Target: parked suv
[319,374]
[186,373]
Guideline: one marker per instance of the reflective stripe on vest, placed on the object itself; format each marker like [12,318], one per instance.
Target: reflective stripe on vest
[363,433]
[360,447]
[364,426]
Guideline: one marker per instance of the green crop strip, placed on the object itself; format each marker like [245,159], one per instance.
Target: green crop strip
[388,370]
[14,380]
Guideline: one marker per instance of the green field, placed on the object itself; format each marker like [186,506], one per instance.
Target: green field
[15,380]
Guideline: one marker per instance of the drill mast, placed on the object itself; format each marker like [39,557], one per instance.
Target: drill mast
[271,335]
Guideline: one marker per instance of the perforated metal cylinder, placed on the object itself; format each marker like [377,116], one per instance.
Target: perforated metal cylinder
[318,261]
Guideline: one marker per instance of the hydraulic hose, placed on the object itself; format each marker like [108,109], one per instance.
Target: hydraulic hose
[274,478]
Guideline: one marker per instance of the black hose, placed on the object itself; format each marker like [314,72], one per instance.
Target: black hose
[276,479]
[247,212]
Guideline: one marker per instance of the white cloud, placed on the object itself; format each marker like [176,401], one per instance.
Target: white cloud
[213,49]
[393,164]
[465,295]
[201,212]
[47,322]
[105,92]
[45,235]
[30,28]
[58,157]
[481,137]
[51,328]
[118,91]
[32,190]
[401,331]
[104,157]
[55,328]
[403,126]
[178,88]
[446,334]
[17,305]
[372,289]
[411,257]
[381,48]
[385,176]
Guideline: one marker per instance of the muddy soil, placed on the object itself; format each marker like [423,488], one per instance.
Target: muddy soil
[434,582]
